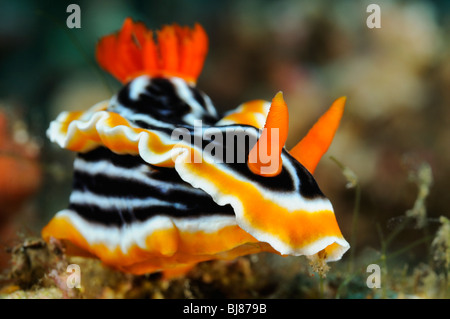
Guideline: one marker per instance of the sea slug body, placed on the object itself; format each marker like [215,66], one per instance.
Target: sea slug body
[141,202]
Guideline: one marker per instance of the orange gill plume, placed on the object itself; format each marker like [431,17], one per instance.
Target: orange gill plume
[308,151]
[179,52]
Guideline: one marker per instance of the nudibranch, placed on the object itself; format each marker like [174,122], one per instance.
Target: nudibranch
[144,201]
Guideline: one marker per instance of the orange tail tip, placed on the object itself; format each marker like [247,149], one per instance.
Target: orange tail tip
[265,157]
[179,51]
[313,146]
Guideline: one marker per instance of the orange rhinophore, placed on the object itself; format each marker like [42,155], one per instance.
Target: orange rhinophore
[311,148]
[141,204]
[268,150]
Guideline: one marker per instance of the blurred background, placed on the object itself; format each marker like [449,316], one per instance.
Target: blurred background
[396,79]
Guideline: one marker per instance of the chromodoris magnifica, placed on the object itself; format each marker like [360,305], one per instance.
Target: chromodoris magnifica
[144,201]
